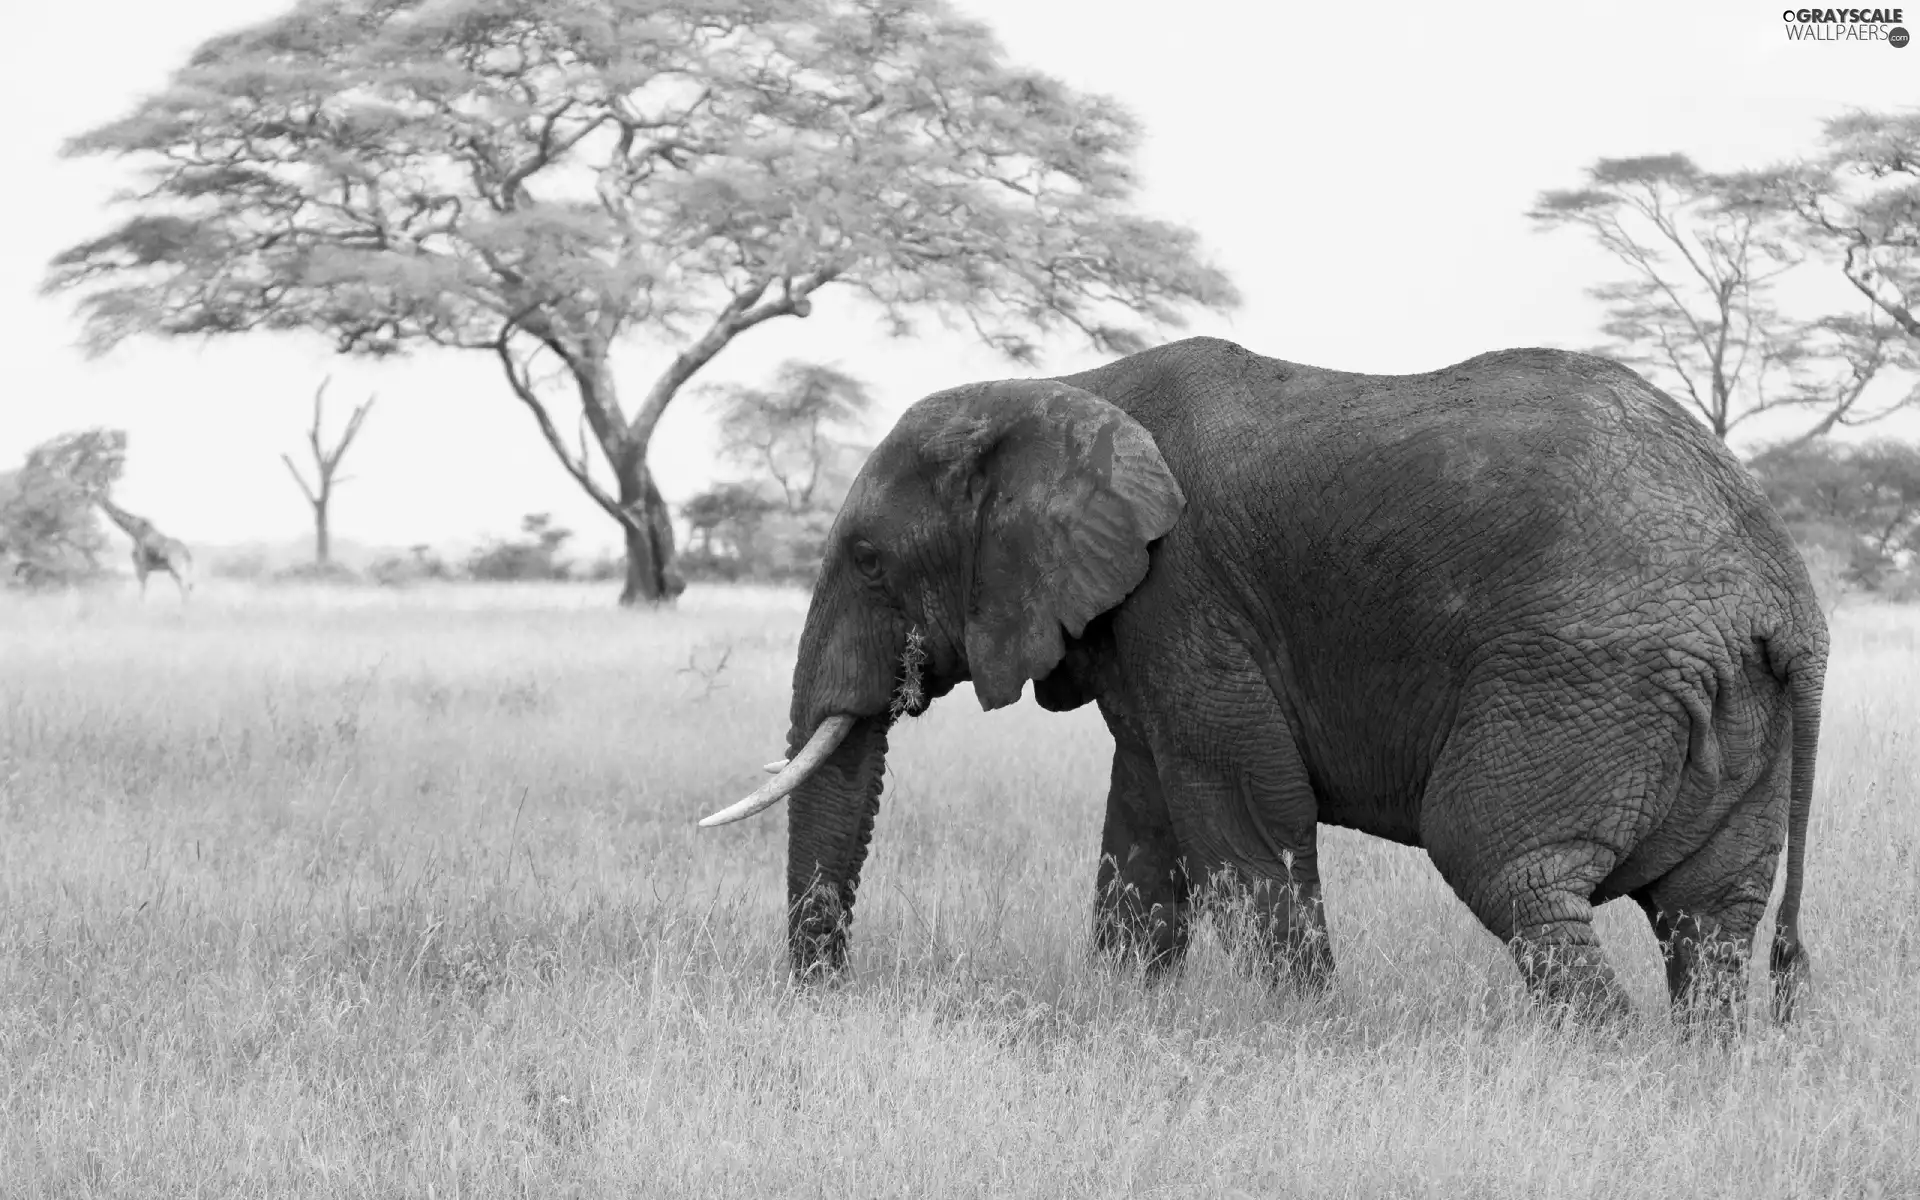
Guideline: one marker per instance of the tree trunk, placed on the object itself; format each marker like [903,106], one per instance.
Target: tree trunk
[652,578]
[322,541]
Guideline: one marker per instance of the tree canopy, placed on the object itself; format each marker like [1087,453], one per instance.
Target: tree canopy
[1859,201]
[799,439]
[1698,310]
[797,431]
[538,179]
[724,522]
[1867,494]
[48,532]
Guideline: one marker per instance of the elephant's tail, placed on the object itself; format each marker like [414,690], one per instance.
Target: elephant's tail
[1788,963]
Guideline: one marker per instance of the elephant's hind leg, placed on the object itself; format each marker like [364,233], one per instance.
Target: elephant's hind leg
[1538,796]
[1705,910]
[1141,904]
[1706,951]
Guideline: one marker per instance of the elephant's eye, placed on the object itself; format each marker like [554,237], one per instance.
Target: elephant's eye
[866,560]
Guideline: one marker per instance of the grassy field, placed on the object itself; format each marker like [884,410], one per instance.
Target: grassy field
[383,894]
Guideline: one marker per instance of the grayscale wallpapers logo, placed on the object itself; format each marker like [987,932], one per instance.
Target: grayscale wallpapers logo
[1846,25]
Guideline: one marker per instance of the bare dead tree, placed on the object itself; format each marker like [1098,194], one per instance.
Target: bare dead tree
[326,461]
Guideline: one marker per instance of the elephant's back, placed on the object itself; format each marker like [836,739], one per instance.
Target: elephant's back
[1483,487]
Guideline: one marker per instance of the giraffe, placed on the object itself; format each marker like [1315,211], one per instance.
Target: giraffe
[152,550]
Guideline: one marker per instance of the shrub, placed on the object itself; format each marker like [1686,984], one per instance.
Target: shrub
[310,572]
[535,556]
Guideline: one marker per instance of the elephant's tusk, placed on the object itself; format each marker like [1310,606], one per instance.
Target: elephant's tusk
[776,766]
[824,741]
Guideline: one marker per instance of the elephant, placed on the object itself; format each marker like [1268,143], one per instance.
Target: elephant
[1522,612]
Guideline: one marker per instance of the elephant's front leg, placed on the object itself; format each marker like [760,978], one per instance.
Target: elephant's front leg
[1245,814]
[1251,829]
[1277,923]
[1142,904]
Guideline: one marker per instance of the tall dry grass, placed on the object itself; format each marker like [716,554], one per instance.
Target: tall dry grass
[377,894]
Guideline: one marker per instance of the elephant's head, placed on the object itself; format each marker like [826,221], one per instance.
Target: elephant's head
[992,523]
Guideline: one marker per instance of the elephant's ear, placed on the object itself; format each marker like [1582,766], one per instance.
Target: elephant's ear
[1066,492]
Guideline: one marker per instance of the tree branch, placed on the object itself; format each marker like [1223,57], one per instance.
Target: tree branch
[747,309]
[546,152]
[354,421]
[523,388]
[301,480]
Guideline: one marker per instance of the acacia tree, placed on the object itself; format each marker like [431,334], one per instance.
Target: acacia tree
[538,179]
[795,430]
[48,529]
[326,468]
[1868,493]
[724,520]
[1859,200]
[535,555]
[1697,311]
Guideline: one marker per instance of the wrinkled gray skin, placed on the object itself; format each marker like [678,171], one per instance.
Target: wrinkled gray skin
[1522,612]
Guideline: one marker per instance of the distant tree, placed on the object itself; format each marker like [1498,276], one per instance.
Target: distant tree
[420,562]
[426,561]
[795,430]
[90,459]
[535,555]
[49,534]
[792,545]
[724,525]
[538,179]
[599,569]
[1869,493]
[1697,312]
[326,465]
[1860,202]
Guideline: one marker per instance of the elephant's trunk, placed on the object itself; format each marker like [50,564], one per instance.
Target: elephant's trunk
[829,823]
[843,681]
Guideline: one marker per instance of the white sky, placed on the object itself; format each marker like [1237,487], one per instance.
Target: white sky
[1362,171]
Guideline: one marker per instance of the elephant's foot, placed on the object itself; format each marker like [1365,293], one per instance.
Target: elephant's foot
[1705,911]
[1713,999]
[1153,936]
[1706,973]
[1141,907]
[1295,952]
[1571,979]
[1297,958]
[1276,930]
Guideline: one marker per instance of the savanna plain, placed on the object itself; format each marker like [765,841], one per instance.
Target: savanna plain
[399,893]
